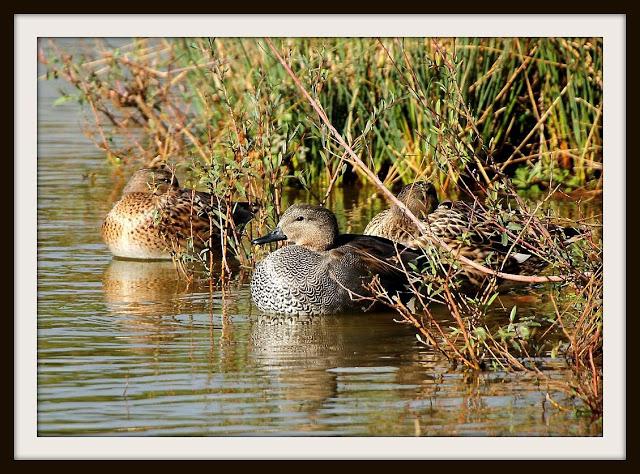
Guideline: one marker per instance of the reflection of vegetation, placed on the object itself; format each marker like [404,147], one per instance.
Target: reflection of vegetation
[479,118]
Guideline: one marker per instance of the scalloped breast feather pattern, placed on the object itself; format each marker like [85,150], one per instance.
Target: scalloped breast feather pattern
[298,281]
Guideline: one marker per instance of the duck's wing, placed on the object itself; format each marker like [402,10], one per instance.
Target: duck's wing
[184,217]
[376,254]
[472,234]
[203,205]
[357,259]
[458,222]
[471,223]
[209,204]
[241,212]
[194,216]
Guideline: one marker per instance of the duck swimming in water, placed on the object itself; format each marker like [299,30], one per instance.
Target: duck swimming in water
[464,227]
[324,272]
[155,218]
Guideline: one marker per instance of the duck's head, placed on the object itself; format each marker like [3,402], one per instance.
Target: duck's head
[155,180]
[313,227]
[420,197]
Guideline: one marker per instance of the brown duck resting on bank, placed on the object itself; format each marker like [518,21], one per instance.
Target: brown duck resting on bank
[155,218]
[323,271]
[464,228]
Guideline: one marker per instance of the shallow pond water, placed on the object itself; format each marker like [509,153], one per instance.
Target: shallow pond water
[128,348]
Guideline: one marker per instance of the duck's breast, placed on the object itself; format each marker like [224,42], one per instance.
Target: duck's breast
[296,280]
[130,229]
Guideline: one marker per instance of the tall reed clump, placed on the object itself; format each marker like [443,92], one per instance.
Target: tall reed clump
[473,339]
[536,104]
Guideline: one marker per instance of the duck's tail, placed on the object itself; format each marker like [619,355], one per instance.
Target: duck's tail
[243,212]
[567,234]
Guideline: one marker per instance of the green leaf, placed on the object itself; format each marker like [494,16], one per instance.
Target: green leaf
[480,333]
[512,315]
[514,226]
[524,332]
[62,99]
[492,299]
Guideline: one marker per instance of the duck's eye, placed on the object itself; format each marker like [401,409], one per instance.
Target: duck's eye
[300,218]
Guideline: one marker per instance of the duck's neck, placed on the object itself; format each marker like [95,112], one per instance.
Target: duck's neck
[398,218]
[319,241]
[417,207]
[163,188]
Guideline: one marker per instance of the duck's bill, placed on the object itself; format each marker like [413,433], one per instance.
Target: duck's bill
[273,236]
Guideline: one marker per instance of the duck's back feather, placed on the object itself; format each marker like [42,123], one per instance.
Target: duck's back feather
[377,254]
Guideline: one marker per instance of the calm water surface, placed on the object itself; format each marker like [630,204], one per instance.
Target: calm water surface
[128,348]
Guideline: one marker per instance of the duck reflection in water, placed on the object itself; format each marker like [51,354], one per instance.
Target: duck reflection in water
[149,295]
[319,363]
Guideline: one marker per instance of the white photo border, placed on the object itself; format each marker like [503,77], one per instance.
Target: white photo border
[28,28]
